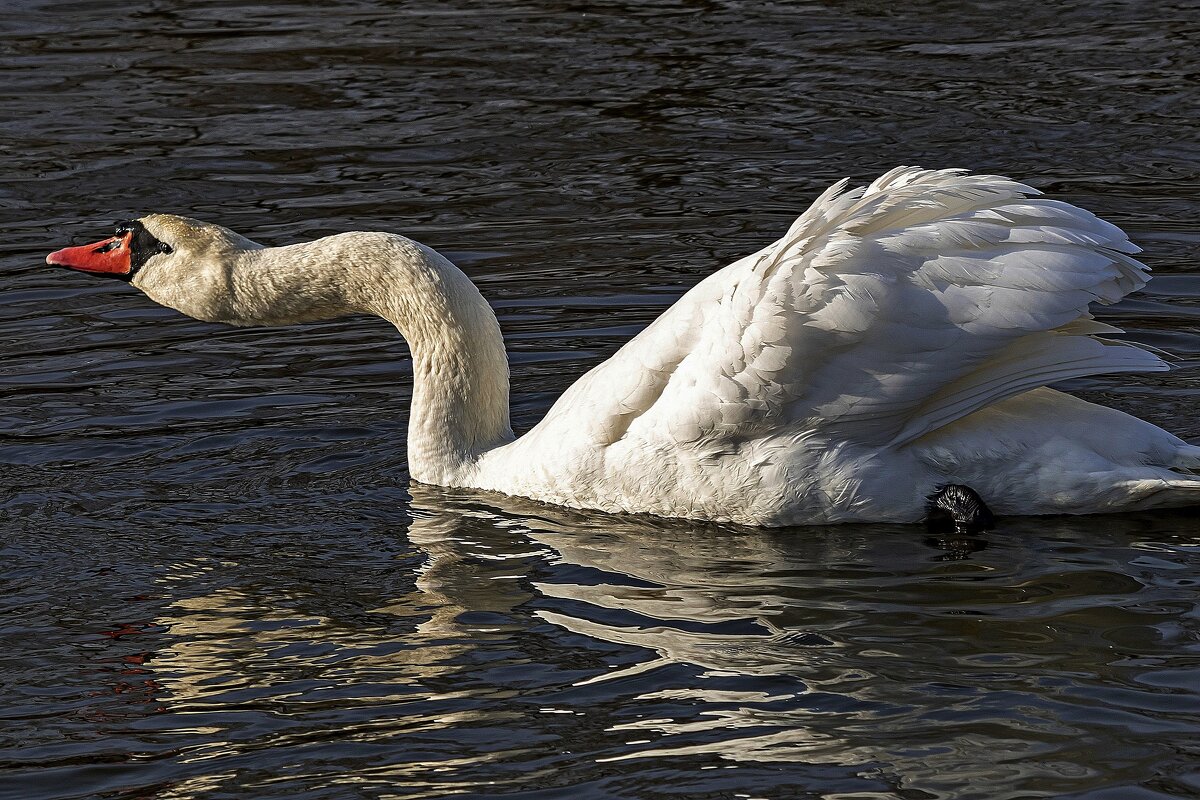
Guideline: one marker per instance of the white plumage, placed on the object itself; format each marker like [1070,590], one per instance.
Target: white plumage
[895,339]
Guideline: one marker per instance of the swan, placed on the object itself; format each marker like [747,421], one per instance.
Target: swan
[898,339]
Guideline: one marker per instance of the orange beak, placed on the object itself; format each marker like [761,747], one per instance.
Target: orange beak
[110,256]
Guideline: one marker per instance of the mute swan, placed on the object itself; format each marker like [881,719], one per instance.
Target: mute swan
[898,338]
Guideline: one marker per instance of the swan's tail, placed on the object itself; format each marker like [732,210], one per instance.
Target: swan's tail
[1187,457]
[1178,487]
[1180,493]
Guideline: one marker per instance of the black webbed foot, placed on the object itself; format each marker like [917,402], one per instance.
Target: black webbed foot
[958,508]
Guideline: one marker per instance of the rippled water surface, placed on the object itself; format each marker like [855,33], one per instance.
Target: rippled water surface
[217,582]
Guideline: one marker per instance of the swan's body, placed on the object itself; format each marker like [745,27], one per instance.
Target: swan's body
[897,339]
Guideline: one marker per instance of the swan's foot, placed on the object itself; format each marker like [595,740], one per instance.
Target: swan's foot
[958,506]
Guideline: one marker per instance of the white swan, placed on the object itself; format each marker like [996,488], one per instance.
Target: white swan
[897,338]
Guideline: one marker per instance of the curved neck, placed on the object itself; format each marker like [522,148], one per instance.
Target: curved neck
[460,370]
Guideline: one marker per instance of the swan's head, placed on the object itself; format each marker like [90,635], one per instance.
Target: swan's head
[178,262]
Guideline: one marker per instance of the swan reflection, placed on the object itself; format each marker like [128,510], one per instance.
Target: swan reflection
[917,661]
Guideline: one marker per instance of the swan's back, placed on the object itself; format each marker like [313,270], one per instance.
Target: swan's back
[884,314]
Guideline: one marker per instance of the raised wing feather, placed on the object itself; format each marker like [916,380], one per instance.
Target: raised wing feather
[884,313]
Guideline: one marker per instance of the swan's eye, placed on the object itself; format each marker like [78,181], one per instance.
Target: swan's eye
[163,247]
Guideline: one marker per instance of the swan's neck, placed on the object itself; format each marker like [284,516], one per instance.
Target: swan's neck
[460,371]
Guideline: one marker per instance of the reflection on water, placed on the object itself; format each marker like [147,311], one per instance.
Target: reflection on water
[215,581]
[505,644]
[858,656]
[855,648]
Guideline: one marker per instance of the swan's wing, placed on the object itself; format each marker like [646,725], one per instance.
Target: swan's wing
[883,314]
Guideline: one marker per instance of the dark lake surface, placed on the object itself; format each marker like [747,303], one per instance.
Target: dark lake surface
[216,581]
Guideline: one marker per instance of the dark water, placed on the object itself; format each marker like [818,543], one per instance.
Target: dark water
[216,581]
